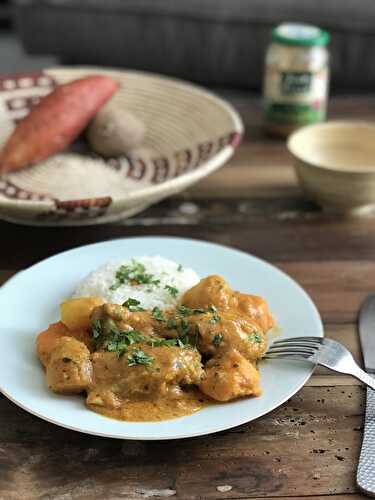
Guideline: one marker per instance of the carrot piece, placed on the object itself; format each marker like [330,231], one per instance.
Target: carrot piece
[56,121]
[47,340]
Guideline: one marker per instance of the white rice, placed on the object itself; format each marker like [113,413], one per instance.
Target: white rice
[98,283]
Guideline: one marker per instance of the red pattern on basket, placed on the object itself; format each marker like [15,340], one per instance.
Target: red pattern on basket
[24,90]
[10,190]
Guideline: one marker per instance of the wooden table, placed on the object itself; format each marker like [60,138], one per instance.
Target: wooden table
[309,447]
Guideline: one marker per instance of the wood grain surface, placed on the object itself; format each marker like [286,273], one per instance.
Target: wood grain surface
[307,448]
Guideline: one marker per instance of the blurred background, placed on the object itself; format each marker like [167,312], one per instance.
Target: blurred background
[219,43]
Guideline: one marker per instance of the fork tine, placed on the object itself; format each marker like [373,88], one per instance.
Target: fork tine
[296,344]
[315,340]
[298,340]
[291,350]
[286,355]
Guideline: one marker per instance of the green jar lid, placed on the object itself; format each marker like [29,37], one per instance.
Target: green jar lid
[299,34]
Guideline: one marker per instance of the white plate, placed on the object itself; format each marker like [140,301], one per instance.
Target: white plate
[30,300]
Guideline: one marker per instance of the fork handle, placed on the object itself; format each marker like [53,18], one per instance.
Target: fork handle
[366,466]
[363,377]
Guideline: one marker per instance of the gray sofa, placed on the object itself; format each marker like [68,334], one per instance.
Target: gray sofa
[215,42]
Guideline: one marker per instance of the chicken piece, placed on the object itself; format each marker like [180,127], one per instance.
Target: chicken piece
[116,318]
[229,376]
[210,291]
[69,369]
[217,330]
[227,330]
[254,307]
[215,291]
[143,372]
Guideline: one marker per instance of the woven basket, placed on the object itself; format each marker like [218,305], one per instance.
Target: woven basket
[189,134]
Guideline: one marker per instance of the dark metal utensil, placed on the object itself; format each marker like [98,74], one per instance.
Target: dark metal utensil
[366,466]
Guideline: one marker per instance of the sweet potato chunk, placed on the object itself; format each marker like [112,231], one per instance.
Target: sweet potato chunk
[47,340]
[69,370]
[229,376]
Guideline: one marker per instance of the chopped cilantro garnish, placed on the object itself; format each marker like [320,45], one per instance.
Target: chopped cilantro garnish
[215,317]
[135,274]
[183,328]
[172,324]
[157,314]
[132,305]
[120,341]
[187,311]
[96,329]
[112,339]
[155,342]
[171,290]
[195,338]
[217,339]
[139,357]
[184,311]
[255,338]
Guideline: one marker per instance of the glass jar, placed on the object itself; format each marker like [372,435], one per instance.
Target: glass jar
[296,78]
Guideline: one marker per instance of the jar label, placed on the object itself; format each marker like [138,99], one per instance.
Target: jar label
[295,82]
[295,97]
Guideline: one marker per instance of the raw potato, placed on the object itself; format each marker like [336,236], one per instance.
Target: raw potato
[75,313]
[115,131]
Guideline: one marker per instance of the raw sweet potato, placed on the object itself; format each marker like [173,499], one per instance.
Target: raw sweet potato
[56,121]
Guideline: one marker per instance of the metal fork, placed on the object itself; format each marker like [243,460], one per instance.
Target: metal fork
[319,351]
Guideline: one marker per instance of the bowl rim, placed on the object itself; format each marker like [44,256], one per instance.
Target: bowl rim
[296,153]
[154,192]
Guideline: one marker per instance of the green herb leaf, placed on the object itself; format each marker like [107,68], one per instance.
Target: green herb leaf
[158,314]
[255,338]
[187,311]
[155,342]
[96,329]
[217,339]
[67,360]
[119,342]
[183,328]
[139,357]
[180,268]
[171,290]
[215,317]
[172,324]
[132,305]
[135,274]
[195,339]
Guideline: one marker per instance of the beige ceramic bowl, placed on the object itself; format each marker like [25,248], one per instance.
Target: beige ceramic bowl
[335,164]
[190,133]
